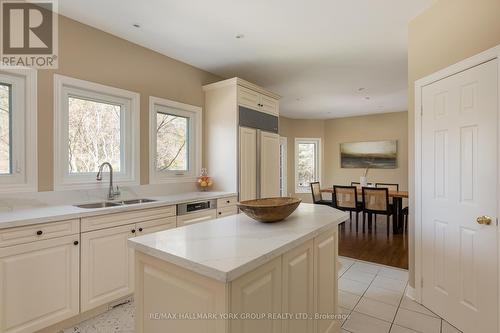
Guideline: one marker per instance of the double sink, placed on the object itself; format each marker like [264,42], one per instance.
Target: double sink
[105,204]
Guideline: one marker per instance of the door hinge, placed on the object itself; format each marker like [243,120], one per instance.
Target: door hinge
[422,110]
[421,282]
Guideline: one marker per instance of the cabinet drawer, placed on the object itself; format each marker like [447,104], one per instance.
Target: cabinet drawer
[196,217]
[226,202]
[227,211]
[31,233]
[248,98]
[117,219]
[148,227]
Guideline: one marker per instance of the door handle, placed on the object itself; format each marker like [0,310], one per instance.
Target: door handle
[486,220]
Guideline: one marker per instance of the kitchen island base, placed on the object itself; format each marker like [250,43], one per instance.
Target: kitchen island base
[293,292]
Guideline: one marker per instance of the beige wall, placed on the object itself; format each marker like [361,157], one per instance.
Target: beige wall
[448,32]
[388,126]
[90,54]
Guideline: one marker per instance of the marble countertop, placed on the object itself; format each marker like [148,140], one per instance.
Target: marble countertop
[226,248]
[29,216]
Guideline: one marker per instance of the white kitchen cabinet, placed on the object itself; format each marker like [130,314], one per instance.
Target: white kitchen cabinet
[257,292]
[196,217]
[298,287]
[39,284]
[248,98]
[269,105]
[149,227]
[234,109]
[325,280]
[248,163]
[107,266]
[269,165]
[257,101]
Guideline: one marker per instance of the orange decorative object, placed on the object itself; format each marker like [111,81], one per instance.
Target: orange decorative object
[204,182]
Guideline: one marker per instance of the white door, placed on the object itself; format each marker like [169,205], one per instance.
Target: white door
[248,163]
[269,165]
[107,266]
[459,184]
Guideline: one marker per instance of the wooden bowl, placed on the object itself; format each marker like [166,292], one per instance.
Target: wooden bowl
[269,209]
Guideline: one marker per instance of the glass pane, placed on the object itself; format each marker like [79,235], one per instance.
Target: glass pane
[94,135]
[172,133]
[306,165]
[5,129]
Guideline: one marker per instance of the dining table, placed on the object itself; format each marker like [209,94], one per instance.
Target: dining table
[397,200]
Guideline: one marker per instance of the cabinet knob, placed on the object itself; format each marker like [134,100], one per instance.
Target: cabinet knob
[75,242]
[228,201]
[39,232]
[140,229]
[220,213]
[132,231]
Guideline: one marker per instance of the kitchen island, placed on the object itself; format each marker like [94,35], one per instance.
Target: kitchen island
[235,275]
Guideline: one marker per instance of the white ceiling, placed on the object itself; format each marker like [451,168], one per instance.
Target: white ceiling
[315,53]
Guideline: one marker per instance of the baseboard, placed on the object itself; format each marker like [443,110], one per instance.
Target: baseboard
[411,293]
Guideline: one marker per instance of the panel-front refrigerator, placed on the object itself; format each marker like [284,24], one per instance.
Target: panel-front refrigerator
[259,162]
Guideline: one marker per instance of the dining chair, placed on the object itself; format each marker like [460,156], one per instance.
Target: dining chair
[346,199]
[316,195]
[390,187]
[376,201]
[358,185]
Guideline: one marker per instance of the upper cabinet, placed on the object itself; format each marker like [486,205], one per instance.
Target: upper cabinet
[257,101]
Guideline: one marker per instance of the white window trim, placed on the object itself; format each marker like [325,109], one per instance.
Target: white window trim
[284,162]
[25,178]
[62,179]
[318,166]
[156,177]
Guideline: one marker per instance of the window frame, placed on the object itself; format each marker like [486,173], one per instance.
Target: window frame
[129,174]
[283,166]
[24,159]
[194,113]
[318,160]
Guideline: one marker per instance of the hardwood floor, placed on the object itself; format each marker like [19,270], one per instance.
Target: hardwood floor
[373,245]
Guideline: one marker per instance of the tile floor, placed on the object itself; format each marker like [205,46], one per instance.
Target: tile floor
[371,295]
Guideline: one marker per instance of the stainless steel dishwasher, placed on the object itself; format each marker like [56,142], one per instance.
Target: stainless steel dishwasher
[195,212]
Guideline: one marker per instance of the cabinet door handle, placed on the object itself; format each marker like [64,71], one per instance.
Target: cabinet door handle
[132,231]
[39,232]
[140,229]
[75,242]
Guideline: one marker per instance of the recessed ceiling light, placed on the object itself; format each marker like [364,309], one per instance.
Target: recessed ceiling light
[367,97]
[239,36]
[136,25]
[361,89]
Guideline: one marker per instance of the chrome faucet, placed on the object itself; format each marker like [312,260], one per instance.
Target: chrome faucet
[112,194]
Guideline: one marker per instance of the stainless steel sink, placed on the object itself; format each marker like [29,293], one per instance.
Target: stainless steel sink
[105,204]
[99,205]
[137,201]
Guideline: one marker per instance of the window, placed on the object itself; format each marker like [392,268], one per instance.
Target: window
[175,141]
[283,167]
[307,163]
[95,124]
[18,162]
